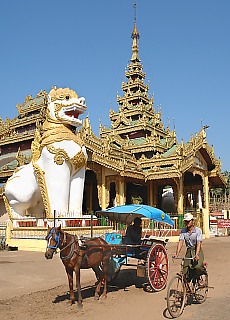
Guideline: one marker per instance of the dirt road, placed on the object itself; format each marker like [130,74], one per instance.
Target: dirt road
[33,288]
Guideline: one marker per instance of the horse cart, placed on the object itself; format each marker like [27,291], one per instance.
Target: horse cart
[106,256]
[151,254]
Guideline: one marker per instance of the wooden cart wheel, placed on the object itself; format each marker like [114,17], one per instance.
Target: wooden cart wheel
[157,267]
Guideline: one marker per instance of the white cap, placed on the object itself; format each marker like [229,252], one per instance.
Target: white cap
[188,217]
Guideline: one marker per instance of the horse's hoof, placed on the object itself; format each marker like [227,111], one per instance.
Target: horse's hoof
[96,297]
[104,296]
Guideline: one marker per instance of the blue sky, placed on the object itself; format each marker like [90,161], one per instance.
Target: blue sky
[85,45]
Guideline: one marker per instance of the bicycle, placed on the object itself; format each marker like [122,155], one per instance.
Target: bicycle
[179,289]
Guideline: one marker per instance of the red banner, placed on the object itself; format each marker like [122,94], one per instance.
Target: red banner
[223,223]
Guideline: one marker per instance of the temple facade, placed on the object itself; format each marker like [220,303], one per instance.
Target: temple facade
[135,160]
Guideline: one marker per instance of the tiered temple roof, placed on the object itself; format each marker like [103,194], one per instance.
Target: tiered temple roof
[137,144]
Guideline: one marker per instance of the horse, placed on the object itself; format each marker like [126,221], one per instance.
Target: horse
[92,253]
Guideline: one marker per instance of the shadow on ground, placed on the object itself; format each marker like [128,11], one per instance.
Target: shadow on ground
[124,281]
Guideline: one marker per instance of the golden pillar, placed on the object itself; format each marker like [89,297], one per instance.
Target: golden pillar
[205,210]
[180,205]
[121,191]
[103,189]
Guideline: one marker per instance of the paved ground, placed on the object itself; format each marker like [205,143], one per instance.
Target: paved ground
[32,287]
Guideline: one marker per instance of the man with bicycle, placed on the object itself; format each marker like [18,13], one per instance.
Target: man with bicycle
[192,236]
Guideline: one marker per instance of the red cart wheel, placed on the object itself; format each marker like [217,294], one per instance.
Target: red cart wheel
[157,267]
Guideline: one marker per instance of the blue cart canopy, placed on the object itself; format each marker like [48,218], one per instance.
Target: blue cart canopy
[127,213]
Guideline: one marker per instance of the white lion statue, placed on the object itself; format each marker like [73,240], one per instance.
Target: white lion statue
[54,180]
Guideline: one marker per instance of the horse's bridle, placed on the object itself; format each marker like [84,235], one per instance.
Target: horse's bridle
[57,240]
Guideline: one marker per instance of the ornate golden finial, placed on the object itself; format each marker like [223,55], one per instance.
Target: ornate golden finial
[205,127]
[19,107]
[20,158]
[169,122]
[204,130]
[87,126]
[174,126]
[135,11]
[135,36]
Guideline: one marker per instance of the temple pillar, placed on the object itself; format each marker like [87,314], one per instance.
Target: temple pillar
[151,190]
[200,205]
[205,210]
[180,204]
[117,198]
[103,189]
[121,191]
[155,194]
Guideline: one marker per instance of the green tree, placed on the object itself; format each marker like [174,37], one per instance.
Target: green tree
[226,174]
[221,192]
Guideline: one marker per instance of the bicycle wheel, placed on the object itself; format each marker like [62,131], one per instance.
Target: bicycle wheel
[201,288]
[176,296]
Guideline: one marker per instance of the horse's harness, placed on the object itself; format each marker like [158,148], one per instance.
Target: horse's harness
[80,247]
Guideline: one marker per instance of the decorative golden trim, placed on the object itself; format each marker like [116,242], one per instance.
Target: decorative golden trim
[79,161]
[7,206]
[60,155]
[35,146]
[40,176]
[57,132]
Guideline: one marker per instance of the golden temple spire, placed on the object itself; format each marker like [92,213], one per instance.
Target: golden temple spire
[135,36]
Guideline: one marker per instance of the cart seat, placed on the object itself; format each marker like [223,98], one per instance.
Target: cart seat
[150,240]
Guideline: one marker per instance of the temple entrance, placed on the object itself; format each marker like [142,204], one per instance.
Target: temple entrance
[112,195]
[168,201]
[193,192]
[90,195]
[136,193]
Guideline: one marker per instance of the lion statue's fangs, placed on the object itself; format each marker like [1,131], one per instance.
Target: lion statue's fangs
[54,179]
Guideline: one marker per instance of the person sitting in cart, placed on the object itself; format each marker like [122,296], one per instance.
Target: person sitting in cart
[192,236]
[133,232]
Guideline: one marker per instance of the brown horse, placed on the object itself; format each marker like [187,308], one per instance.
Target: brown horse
[75,256]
